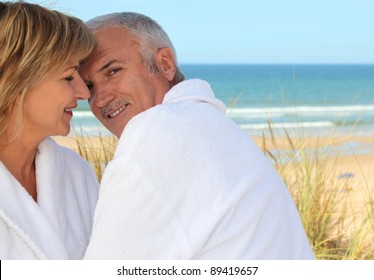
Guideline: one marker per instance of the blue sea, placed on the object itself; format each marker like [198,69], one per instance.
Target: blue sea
[313,99]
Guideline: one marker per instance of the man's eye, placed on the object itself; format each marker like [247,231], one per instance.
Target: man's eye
[89,85]
[113,71]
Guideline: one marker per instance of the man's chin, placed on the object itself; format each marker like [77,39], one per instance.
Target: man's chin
[115,131]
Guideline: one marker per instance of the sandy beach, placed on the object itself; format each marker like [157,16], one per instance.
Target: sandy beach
[350,160]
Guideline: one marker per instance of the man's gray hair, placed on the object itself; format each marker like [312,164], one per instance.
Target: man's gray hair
[146,32]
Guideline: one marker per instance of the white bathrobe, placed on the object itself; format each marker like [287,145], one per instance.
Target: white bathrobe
[187,183]
[60,224]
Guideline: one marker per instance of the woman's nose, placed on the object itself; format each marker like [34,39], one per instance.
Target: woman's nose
[82,92]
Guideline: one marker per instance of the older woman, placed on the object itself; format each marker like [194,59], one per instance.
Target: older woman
[47,192]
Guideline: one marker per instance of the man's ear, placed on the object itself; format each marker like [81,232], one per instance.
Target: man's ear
[166,63]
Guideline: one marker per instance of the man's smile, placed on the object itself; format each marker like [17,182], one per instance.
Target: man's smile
[114,113]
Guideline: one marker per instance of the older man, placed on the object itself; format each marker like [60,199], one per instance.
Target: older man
[185,181]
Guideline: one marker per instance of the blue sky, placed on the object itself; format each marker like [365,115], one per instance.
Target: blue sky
[252,31]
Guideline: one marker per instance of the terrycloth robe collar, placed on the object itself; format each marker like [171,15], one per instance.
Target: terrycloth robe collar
[194,90]
[41,224]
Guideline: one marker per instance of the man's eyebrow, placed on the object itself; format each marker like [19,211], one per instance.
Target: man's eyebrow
[107,65]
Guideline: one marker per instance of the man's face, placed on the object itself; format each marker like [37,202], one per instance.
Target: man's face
[121,85]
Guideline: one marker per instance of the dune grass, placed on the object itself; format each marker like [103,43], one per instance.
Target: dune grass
[98,151]
[334,228]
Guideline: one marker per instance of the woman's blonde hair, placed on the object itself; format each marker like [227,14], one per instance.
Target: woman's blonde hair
[35,43]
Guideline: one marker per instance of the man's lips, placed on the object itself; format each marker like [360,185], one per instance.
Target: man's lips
[115,113]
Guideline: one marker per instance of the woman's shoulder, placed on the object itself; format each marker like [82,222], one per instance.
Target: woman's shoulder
[50,148]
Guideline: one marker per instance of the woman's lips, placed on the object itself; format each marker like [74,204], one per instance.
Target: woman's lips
[69,111]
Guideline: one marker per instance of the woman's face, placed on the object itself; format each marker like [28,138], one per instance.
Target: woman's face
[47,108]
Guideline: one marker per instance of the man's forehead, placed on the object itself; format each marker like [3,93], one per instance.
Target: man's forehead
[97,61]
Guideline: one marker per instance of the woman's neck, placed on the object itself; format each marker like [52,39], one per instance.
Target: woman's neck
[19,158]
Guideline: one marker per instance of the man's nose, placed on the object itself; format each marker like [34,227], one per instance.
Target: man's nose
[102,95]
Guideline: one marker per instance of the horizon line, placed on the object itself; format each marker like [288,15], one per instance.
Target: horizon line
[277,63]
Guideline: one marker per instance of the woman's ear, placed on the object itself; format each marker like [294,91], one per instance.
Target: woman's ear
[166,63]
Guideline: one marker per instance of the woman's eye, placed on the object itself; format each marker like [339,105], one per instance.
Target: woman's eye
[69,78]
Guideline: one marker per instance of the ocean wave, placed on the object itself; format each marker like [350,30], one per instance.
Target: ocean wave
[258,126]
[83,114]
[279,111]
[96,130]
[301,111]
